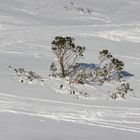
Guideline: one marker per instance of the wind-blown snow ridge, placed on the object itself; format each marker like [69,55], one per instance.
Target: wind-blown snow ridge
[102,116]
[131,35]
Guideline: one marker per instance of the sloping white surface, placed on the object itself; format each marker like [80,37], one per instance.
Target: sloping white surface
[36,111]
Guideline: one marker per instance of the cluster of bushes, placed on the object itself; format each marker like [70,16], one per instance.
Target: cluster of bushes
[108,69]
[24,76]
[85,10]
[81,10]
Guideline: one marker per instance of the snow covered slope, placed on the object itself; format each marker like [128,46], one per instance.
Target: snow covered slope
[43,111]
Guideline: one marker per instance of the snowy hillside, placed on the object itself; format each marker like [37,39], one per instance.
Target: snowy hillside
[41,110]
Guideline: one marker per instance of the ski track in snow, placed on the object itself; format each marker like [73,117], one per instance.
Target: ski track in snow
[127,119]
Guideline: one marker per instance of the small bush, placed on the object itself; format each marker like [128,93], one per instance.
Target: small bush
[121,91]
[109,68]
[53,70]
[80,77]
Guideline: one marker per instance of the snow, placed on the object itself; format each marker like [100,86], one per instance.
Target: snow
[41,110]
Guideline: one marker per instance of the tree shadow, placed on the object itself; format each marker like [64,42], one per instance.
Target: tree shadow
[92,66]
[126,74]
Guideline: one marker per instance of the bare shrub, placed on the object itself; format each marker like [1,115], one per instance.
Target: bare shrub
[109,68]
[53,70]
[121,91]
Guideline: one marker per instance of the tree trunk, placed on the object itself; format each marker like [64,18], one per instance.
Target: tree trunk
[62,67]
